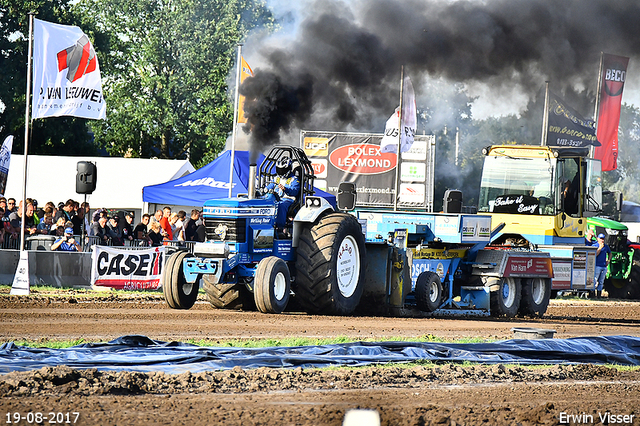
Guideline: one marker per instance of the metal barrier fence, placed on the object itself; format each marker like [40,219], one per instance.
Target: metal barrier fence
[10,243]
[44,242]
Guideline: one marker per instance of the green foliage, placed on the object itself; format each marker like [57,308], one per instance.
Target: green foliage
[265,343]
[444,112]
[60,135]
[626,178]
[165,64]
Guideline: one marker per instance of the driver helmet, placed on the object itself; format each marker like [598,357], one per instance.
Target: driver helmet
[283,166]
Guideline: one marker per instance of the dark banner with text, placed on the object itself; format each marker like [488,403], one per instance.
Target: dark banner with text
[567,128]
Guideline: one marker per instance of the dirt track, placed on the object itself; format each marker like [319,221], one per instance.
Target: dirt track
[447,394]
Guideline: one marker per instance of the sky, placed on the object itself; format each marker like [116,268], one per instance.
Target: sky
[336,65]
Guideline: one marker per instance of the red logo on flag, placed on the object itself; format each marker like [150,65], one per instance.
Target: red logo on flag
[614,79]
[79,58]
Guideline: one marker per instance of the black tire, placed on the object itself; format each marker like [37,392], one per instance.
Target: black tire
[178,293]
[428,291]
[506,300]
[226,296]
[535,296]
[166,281]
[618,289]
[323,285]
[272,285]
[634,281]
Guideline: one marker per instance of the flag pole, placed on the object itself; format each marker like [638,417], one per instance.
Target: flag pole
[400,130]
[545,116]
[21,285]
[592,148]
[26,133]
[235,119]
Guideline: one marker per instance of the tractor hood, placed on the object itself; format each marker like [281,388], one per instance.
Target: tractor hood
[605,223]
[240,202]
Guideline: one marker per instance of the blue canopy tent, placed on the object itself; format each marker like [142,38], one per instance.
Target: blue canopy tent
[208,182]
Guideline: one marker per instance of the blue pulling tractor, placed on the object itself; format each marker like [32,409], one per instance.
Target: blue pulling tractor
[333,262]
[248,261]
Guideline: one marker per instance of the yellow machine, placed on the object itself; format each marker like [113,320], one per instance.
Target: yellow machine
[543,195]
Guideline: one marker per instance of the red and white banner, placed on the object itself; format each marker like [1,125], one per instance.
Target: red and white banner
[66,74]
[127,269]
[614,72]
[5,160]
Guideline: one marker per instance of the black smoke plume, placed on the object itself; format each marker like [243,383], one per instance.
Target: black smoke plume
[341,70]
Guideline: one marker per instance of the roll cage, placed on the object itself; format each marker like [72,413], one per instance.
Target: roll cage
[301,167]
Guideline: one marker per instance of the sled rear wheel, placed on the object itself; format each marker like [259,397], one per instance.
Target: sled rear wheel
[506,300]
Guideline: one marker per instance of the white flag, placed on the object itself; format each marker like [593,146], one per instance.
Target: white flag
[409,115]
[5,159]
[389,141]
[66,74]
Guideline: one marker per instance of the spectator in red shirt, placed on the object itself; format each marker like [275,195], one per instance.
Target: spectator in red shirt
[165,224]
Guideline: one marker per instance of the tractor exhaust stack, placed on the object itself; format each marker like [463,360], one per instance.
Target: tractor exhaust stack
[252,181]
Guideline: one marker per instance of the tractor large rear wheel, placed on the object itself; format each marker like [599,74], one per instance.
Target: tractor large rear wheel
[618,289]
[178,293]
[226,296]
[330,265]
[634,281]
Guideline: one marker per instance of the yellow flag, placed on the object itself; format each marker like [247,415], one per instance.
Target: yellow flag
[245,72]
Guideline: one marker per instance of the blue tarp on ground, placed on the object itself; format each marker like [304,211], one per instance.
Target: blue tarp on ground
[139,353]
[208,183]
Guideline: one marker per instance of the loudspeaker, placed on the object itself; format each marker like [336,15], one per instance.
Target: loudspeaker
[86,177]
[452,202]
[347,196]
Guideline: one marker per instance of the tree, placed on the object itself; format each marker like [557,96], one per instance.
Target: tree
[165,73]
[626,178]
[57,135]
[446,113]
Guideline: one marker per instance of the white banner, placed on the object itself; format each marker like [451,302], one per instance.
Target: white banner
[5,160]
[409,115]
[127,269]
[66,74]
[389,141]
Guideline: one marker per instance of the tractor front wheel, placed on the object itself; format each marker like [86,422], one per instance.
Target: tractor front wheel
[272,285]
[178,293]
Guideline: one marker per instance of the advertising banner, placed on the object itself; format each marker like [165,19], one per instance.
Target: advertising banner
[127,269]
[567,127]
[245,72]
[66,74]
[614,72]
[409,124]
[358,157]
[5,161]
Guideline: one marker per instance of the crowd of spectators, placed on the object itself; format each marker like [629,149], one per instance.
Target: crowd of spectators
[103,226]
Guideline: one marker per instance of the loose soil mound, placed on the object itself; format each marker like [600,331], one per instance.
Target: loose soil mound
[418,395]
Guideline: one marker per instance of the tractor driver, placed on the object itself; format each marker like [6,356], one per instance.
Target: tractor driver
[287,186]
